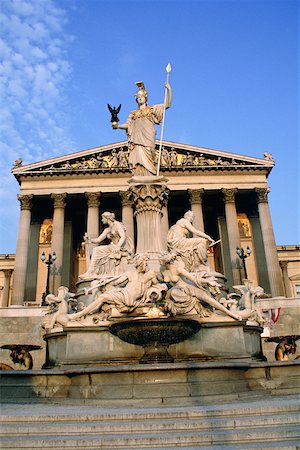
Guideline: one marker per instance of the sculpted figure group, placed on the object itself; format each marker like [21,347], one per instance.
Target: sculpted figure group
[183,285]
[109,259]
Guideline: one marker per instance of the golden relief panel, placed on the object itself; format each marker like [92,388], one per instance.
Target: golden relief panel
[46,232]
[244,226]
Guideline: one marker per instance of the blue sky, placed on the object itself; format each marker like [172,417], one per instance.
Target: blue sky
[234,78]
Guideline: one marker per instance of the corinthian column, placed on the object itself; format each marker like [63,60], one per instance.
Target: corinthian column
[274,272]
[149,199]
[57,244]
[233,232]
[286,280]
[5,295]
[196,206]
[127,213]
[22,250]
[93,203]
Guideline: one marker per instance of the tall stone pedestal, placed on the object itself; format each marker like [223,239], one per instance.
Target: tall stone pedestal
[149,195]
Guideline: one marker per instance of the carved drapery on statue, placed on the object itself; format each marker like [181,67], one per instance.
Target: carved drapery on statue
[111,259]
[188,243]
[141,138]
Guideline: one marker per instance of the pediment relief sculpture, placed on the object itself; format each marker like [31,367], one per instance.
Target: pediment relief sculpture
[116,158]
[170,158]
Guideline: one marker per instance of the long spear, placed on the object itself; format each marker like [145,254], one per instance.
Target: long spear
[168,70]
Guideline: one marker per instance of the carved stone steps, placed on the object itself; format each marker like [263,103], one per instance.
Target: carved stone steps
[155,440]
[92,426]
[266,424]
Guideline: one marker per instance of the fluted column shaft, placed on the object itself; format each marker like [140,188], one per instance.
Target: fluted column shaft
[57,244]
[127,214]
[20,268]
[93,203]
[5,294]
[148,200]
[286,280]
[164,227]
[196,206]
[274,272]
[233,232]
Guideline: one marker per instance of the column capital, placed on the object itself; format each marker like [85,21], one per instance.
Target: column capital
[229,195]
[262,194]
[59,200]
[93,199]
[25,201]
[149,197]
[125,198]
[195,196]
[7,272]
[283,264]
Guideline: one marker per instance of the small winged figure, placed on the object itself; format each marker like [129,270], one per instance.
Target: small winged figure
[114,113]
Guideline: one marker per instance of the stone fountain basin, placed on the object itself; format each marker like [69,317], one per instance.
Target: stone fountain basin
[155,335]
[150,331]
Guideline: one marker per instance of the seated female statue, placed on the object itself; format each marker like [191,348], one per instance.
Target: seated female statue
[109,259]
[189,243]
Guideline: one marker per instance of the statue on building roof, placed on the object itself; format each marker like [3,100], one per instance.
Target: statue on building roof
[17,163]
[268,156]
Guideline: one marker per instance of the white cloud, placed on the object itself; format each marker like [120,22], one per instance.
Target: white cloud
[34,72]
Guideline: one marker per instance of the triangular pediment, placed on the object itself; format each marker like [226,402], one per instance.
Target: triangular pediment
[114,158]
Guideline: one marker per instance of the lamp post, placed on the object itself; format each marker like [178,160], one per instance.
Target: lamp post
[48,262]
[243,255]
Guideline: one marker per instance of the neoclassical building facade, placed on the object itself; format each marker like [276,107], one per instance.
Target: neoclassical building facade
[62,198]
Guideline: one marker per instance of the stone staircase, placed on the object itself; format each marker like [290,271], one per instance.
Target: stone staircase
[268,423]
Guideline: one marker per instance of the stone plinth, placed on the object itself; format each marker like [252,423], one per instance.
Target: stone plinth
[178,384]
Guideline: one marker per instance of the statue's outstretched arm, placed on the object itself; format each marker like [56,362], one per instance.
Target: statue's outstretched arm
[199,233]
[101,237]
[124,126]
